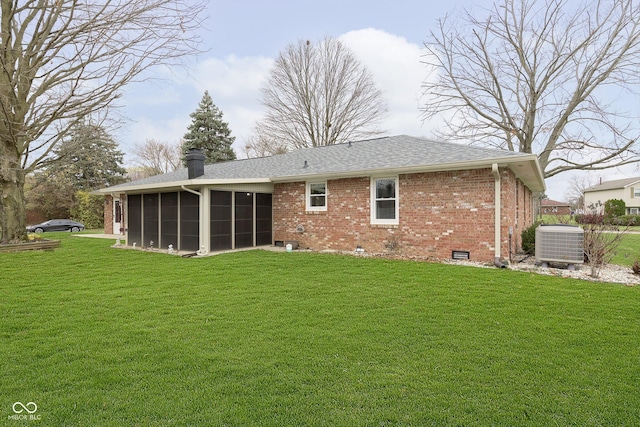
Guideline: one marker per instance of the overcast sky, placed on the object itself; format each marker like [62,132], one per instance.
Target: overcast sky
[242,39]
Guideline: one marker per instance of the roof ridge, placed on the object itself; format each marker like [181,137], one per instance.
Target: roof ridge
[373,155]
[613,183]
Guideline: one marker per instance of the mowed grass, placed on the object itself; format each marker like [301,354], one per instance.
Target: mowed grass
[97,336]
[628,251]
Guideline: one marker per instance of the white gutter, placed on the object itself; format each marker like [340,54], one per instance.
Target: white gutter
[467,165]
[497,223]
[124,188]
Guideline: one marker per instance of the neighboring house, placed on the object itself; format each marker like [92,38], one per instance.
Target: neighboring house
[552,207]
[409,195]
[627,189]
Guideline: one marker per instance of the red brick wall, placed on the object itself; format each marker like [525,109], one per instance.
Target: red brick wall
[517,212]
[439,212]
[108,215]
[556,210]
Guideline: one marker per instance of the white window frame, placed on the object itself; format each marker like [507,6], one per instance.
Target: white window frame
[636,192]
[308,197]
[373,199]
[633,211]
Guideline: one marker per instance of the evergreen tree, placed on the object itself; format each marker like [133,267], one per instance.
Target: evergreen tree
[209,133]
[89,159]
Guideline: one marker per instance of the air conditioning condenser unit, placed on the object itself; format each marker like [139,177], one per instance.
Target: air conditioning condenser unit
[560,243]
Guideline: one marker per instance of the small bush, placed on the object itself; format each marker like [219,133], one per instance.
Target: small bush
[590,218]
[89,210]
[529,238]
[629,220]
[614,208]
[601,243]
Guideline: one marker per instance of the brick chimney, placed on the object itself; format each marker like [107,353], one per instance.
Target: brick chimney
[195,163]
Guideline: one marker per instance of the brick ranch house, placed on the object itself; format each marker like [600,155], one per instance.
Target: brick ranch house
[417,197]
[553,207]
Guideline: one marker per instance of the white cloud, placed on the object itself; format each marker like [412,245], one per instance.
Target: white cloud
[160,110]
[395,65]
[145,128]
[234,84]
[233,79]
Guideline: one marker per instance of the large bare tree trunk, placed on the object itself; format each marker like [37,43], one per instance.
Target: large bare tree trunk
[12,208]
[62,62]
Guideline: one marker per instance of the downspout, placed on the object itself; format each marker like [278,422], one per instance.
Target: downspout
[497,224]
[197,193]
[202,249]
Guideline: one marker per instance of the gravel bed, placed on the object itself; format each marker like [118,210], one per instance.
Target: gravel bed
[609,273]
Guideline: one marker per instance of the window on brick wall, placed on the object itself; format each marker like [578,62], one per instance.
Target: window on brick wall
[316,196]
[384,200]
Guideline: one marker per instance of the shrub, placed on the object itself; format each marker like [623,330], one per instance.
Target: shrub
[601,242]
[590,218]
[89,210]
[614,208]
[529,238]
[630,220]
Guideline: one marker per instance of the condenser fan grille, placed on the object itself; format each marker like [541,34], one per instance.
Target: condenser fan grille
[560,243]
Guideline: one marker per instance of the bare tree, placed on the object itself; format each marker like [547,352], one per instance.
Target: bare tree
[319,94]
[601,242]
[155,157]
[539,77]
[138,172]
[601,238]
[62,61]
[577,185]
[259,145]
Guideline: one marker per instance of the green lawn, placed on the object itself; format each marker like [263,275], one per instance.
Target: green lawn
[628,251]
[104,337]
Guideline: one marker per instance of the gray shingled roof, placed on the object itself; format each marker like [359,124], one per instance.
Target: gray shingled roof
[393,152]
[611,185]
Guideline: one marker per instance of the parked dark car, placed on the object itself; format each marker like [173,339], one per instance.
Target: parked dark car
[56,225]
